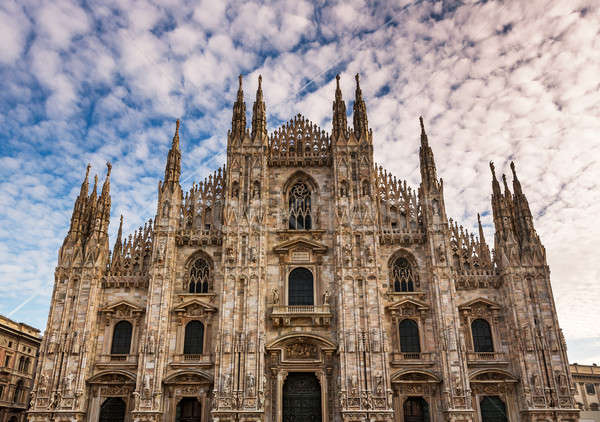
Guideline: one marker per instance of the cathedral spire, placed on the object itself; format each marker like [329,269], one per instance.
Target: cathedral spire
[340,122]
[361,125]
[523,217]
[259,114]
[495,184]
[428,172]
[118,248]
[106,186]
[484,250]
[238,121]
[85,184]
[173,167]
[80,204]
[101,218]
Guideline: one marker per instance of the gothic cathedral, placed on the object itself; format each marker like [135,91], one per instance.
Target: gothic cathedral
[302,283]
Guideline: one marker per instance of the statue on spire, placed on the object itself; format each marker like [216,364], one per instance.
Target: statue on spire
[259,114]
[340,122]
[361,124]
[238,120]
[173,167]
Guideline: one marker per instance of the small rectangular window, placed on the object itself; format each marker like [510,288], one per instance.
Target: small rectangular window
[7,361]
[589,388]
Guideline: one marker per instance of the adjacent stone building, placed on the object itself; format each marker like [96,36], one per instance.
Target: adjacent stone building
[587,391]
[302,282]
[19,345]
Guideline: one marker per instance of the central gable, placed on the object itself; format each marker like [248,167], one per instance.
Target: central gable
[299,142]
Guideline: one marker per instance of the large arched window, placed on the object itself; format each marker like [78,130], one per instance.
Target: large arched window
[26,365]
[199,276]
[409,337]
[121,341]
[482,336]
[194,338]
[300,287]
[403,276]
[299,203]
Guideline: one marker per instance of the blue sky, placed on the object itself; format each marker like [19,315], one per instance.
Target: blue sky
[105,80]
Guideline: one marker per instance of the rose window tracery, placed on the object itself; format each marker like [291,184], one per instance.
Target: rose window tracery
[299,207]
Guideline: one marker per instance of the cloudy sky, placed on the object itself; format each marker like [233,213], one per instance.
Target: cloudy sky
[105,80]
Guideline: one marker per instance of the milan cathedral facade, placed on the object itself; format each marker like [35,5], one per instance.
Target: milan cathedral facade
[302,283]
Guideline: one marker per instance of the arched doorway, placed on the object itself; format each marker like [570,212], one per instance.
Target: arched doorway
[13,419]
[493,409]
[189,409]
[301,398]
[112,410]
[416,409]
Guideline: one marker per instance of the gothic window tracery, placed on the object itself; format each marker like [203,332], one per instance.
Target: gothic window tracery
[194,338]
[403,276]
[199,276]
[482,336]
[121,340]
[409,336]
[300,207]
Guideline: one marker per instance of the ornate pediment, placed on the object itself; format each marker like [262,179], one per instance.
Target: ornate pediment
[492,376]
[122,308]
[479,305]
[194,307]
[415,376]
[300,244]
[408,307]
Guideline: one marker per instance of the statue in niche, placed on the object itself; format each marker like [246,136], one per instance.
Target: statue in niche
[250,381]
[275,297]
[326,297]
[354,384]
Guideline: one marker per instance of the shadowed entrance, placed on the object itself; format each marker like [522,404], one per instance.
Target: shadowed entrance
[189,409]
[112,410]
[493,409]
[301,398]
[416,410]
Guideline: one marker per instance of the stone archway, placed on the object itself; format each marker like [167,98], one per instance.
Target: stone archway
[301,398]
[494,392]
[111,390]
[188,396]
[415,395]
[307,359]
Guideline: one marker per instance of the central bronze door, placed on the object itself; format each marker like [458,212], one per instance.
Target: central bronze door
[416,410]
[189,409]
[301,398]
